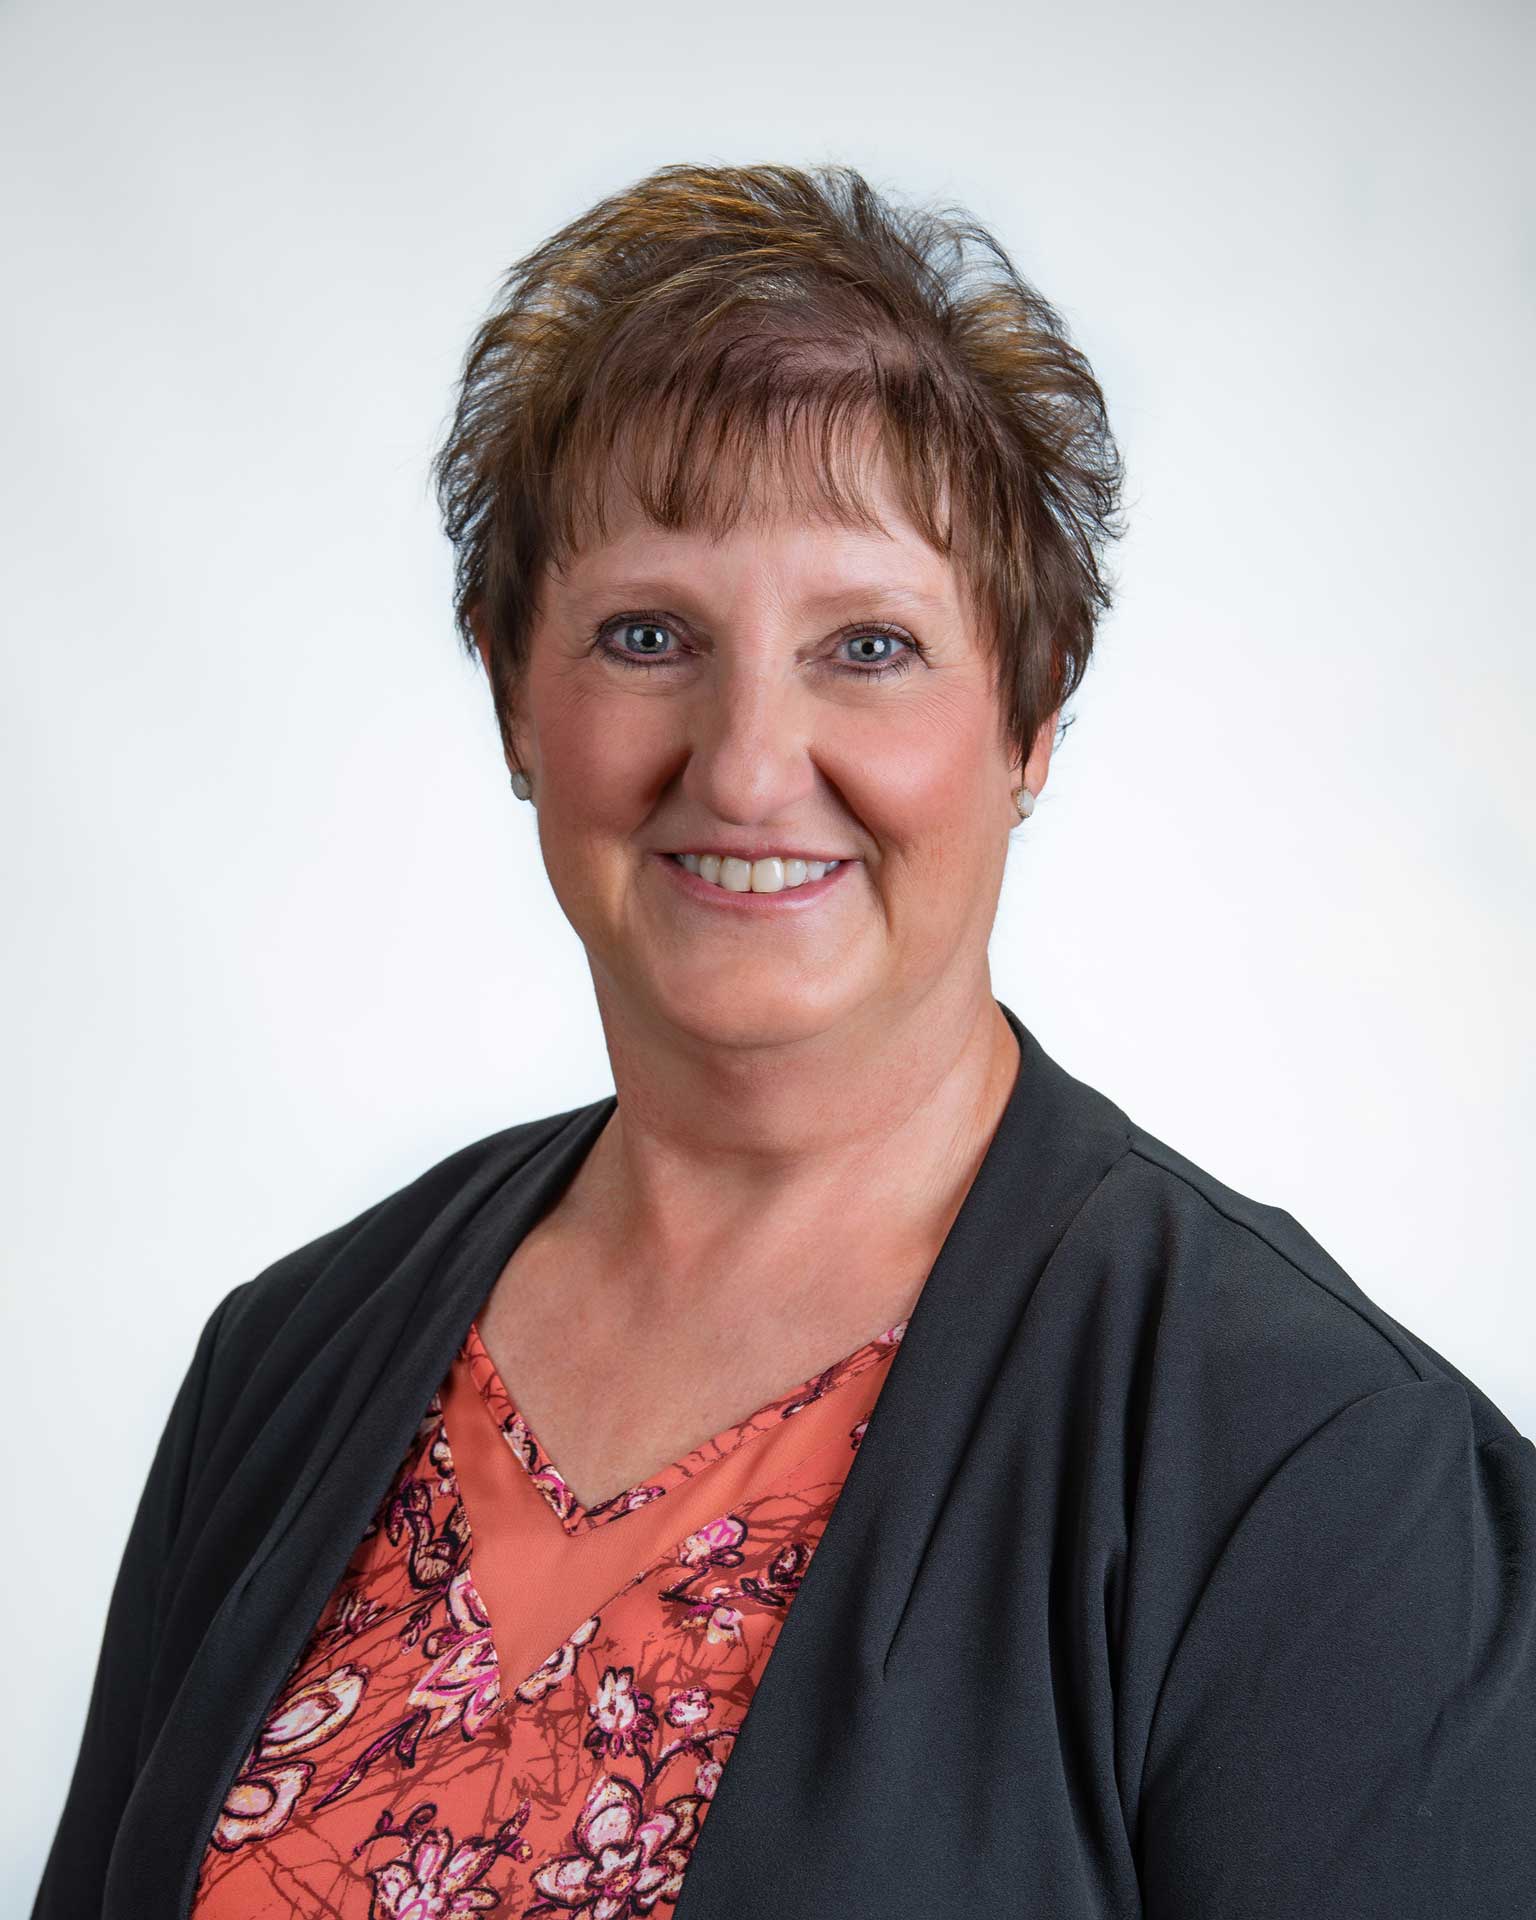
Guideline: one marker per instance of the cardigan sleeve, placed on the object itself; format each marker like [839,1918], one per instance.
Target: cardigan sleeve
[109,1752]
[1348,1723]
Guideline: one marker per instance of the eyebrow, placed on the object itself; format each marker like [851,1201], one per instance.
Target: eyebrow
[641,588]
[879,590]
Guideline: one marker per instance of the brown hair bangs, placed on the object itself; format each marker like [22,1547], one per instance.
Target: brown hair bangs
[713,342]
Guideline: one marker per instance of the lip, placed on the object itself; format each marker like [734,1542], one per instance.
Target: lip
[787,900]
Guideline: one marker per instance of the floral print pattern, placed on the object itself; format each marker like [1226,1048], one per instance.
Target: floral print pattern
[400,1774]
[627,1860]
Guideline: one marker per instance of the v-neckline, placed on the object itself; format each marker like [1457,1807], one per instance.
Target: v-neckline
[557,1494]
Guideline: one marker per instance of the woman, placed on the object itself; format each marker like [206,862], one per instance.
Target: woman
[1116,1554]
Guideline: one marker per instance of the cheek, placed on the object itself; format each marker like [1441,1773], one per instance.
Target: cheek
[597,768]
[927,792]
[923,783]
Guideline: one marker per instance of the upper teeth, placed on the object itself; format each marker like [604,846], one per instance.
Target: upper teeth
[753,876]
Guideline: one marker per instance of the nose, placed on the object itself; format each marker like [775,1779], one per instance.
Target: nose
[749,740]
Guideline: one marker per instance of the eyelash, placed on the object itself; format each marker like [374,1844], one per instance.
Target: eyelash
[899,664]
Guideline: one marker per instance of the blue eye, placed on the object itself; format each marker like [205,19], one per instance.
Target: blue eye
[889,662]
[651,635]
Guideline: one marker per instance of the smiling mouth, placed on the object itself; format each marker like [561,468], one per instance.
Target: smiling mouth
[773,874]
[747,886]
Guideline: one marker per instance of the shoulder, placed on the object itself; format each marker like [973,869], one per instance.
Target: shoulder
[1170,1250]
[1227,1338]
[1252,1274]
[357,1304]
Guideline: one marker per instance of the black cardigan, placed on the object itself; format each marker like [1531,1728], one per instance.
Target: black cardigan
[1172,1577]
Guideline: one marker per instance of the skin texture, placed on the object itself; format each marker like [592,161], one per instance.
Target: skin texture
[804,1097]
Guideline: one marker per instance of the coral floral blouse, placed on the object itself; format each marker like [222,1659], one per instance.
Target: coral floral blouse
[514,1702]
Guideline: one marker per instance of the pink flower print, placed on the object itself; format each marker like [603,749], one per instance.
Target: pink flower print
[312,1713]
[625,1721]
[264,1794]
[464,1682]
[439,1879]
[708,1777]
[688,1706]
[355,1613]
[722,1624]
[628,1860]
[717,1544]
[433,1554]
[780,1580]
[558,1667]
[259,1803]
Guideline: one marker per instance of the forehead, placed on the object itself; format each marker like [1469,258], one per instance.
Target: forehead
[818,552]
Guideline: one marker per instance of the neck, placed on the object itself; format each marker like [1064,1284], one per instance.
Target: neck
[728,1176]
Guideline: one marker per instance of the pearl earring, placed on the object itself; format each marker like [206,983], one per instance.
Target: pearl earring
[521,786]
[1024,800]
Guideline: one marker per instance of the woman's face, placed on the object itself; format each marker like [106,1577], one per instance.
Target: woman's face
[794,689]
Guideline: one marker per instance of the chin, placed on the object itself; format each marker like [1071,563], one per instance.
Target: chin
[739,1011]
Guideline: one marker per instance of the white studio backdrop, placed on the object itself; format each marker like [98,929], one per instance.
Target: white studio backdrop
[279,934]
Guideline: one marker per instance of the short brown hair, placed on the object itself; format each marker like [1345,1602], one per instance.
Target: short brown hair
[707,322]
